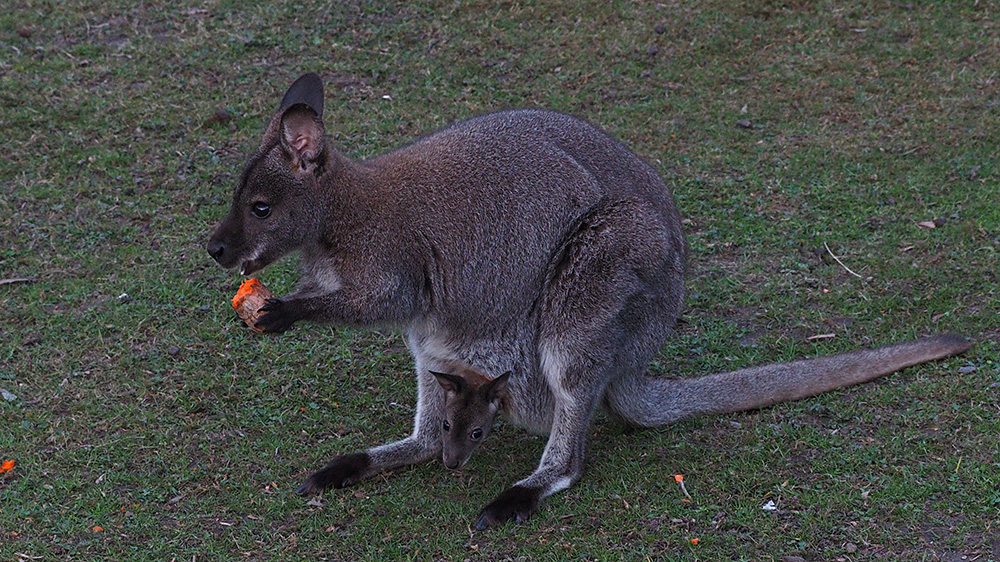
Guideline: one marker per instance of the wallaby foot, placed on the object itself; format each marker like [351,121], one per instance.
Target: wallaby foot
[343,471]
[517,503]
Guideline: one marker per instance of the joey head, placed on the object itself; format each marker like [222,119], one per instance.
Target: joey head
[472,402]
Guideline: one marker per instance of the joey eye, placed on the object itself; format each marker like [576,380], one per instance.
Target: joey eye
[476,434]
[446,425]
[261,210]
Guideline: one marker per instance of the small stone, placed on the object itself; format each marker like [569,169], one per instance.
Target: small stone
[173,351]
[660,29]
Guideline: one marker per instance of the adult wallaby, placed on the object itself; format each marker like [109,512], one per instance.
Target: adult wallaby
[472,402]
[524,241]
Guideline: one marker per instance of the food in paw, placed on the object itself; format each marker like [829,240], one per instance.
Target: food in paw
[248,301]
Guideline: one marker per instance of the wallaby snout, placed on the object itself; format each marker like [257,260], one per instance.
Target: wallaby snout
[217,250]
[221,248]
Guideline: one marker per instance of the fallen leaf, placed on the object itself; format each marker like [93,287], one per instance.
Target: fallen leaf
[926,224]
[221,116]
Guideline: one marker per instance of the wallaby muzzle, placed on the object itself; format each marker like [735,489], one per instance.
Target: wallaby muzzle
[229,255]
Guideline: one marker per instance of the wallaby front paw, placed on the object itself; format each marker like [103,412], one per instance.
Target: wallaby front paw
[514,504]
[343,471]
[276,316]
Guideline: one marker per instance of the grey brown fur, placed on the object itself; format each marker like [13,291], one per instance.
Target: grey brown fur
[524,241]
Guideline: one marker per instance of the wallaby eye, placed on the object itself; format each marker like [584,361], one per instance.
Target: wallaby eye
[261,210]
[447,425]
[476,434]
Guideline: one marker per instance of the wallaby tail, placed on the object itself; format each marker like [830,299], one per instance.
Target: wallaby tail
[656,402]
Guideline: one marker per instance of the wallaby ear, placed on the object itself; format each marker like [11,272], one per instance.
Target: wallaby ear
[307,90]
[303,137]
[452,384]
[302,134]
[494,389]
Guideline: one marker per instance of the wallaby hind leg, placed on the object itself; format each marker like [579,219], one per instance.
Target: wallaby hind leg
[422,445]
[612,296]
[564,455]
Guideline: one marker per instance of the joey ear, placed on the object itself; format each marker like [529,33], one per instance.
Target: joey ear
[495,388]
[453,384]
[303,137]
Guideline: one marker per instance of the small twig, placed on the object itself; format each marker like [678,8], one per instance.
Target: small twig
[679,478]
[821,337]
[17,280]
[840,262]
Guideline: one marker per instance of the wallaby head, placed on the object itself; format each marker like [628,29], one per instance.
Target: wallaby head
[472,402]
[276,206]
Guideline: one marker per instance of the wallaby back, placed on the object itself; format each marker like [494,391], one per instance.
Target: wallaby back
[472,402]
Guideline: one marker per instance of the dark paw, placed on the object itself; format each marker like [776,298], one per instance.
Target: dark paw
[340,473]
[277,317]
[514,504]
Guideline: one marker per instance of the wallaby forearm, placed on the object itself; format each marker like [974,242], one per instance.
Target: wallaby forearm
[348,306]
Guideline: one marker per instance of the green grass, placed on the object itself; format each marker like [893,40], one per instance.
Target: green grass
[144,408]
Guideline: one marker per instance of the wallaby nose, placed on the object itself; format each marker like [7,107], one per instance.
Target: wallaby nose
[216,249]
